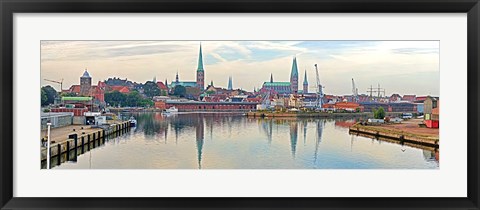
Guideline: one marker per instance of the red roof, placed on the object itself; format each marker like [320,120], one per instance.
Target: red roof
[74,89]
[121,89]
[409,98]
[161,86]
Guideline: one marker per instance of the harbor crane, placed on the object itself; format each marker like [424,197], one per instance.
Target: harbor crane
[318,103]
[354,91]
[58,82]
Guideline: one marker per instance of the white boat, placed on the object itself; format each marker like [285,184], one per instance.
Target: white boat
[133,121]
[172,110]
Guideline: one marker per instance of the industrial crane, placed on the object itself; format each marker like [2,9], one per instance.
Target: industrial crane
[354,91]
[318,103]
[58,82]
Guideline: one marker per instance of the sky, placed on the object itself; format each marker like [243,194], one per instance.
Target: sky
[403,67]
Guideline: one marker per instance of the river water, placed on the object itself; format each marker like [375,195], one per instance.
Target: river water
[233,141]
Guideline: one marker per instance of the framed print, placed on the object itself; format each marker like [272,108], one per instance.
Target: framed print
[239,105]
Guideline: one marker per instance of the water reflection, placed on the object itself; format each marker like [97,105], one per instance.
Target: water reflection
[234,141]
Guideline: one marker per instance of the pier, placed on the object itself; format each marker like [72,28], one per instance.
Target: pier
[408,132]
[69,142]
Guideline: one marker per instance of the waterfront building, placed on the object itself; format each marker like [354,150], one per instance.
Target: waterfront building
[343,106]
[431,112]
[210,106]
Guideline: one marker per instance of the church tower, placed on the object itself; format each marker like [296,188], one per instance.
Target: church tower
[305,83]
[294,77]
[200,71]
[85,83]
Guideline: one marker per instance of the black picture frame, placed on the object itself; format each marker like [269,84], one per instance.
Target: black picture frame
[10,7]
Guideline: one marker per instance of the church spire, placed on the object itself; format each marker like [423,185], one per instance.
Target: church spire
[271,77]
[305,80]
[200,59]
[230,83]
[200,71]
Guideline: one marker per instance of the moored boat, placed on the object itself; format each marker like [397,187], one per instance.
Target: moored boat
[133,121]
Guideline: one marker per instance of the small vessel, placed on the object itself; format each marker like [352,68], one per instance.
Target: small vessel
[172,110]
[133,121]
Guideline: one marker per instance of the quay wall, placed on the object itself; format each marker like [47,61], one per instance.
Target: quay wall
[75,145]
[395,135]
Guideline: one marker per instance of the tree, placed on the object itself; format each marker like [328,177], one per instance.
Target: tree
[151,89]
[115,98]
[379,113]
[50,93]
[180,91]
[132,99]
[44,97]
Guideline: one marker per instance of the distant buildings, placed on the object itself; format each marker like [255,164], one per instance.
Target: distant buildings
[282,88]
[87,89]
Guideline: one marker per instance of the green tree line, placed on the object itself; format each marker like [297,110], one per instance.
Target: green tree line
[132,99]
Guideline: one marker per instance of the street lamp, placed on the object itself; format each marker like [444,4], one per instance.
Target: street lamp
[48,145]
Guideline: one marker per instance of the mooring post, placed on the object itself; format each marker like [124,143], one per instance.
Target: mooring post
[88,142]
[94,140]
[83,144]
[59,154]
[68,150]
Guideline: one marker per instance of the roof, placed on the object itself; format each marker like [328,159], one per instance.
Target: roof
[161,85]
[74,89]
[185,84]
[270,84]
[76,98]
[121,89]
[86,74]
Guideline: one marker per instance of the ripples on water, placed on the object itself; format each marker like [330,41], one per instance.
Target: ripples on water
[233,141]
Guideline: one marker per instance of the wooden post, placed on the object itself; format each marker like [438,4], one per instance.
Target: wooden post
[83,144]
[59,154]
[94,140]
[68,150]
[88,142]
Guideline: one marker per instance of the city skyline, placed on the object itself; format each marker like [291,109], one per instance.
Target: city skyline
[403,67]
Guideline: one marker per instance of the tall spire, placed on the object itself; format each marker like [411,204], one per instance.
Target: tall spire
[230,83]
[294,68]
[176,78]
[271,78]
[200,71]
[305,80]
[294,77]
[200,59]
[305,83]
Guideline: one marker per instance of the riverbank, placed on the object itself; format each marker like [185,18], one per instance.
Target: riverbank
[408,131]
[316,114]
[70,141]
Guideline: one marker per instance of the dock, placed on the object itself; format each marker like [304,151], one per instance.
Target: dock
[314,114]
[70,141]
[407,132]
